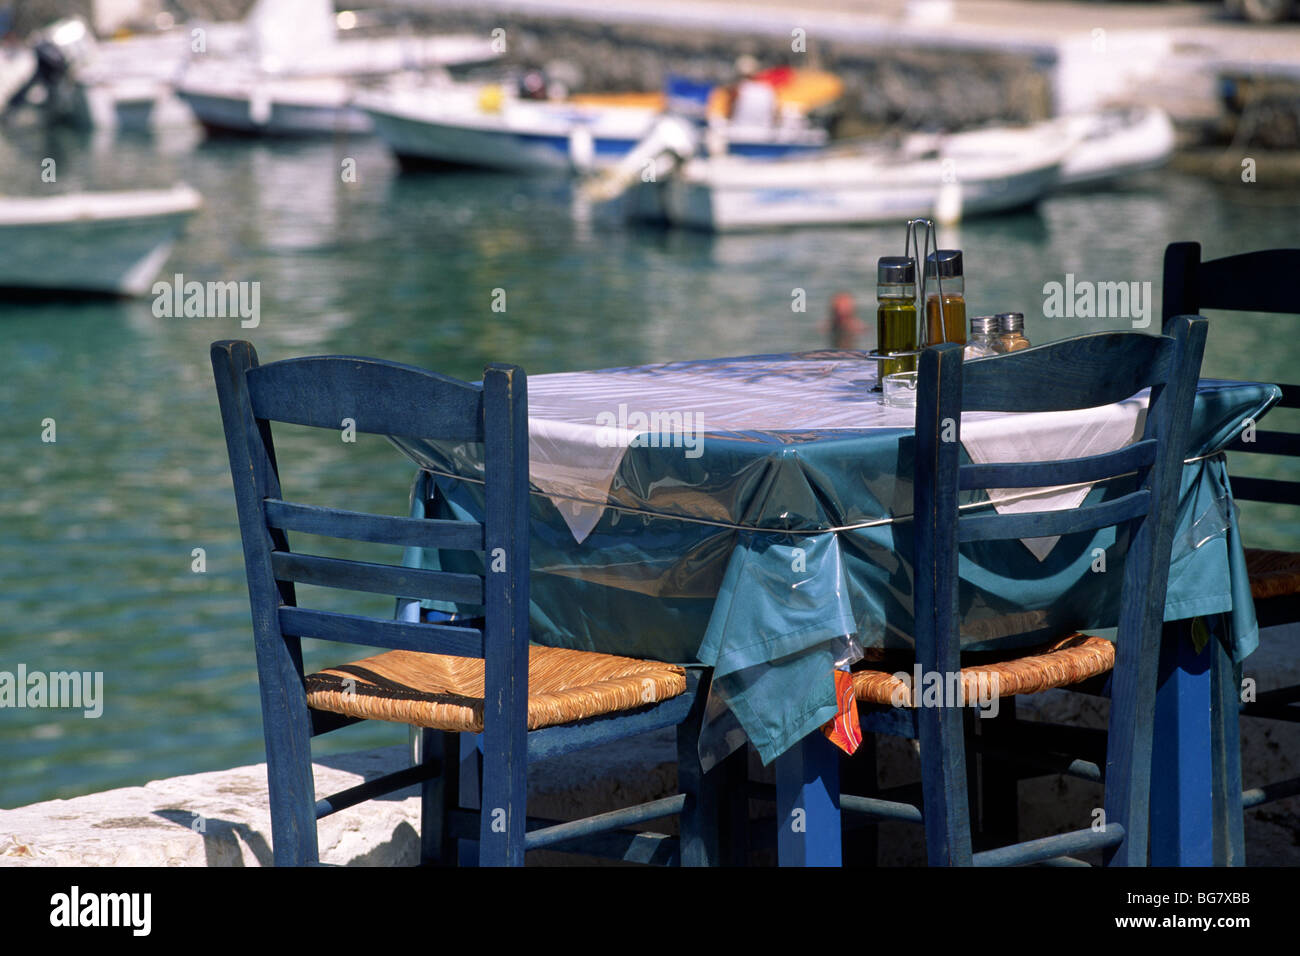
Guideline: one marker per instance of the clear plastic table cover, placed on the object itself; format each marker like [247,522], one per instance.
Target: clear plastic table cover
[763,549]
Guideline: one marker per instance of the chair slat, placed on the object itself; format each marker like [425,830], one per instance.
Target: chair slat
[1044,524]
[1081,372]
[377,578]
[371,632]
[1290,396]
[381,398]
[1262,281]
[378,529]
[1286,444]
[1265,489]
[1042,474]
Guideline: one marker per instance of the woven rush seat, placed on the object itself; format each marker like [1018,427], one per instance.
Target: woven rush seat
[1272,573]
[446,693]
[1057,663]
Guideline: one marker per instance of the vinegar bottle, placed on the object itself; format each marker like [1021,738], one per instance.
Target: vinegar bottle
[945,265]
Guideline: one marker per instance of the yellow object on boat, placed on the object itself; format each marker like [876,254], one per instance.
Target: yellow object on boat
[654,101]
[804,89]
[490,99]
[809,89]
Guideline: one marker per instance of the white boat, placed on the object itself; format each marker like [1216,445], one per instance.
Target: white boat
[110,243]
[944,176]
[126,83]
[1105,145]
[1116,144]
[255,103]
[851,186]
[288,68]
[301,77]
[485,126]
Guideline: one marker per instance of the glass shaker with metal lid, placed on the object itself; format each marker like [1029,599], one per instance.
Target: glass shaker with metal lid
[896,328]
[983,337]
[1011,332]
[943,270]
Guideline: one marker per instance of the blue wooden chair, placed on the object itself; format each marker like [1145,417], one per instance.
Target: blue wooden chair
[479,678]
[1263,281]
[1075,373]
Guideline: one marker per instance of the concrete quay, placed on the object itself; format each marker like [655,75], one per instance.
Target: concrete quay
[221,818]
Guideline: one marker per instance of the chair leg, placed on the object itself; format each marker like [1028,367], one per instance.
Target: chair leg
[946,809]
[702,811]
[291,786]
[1229,832]
[999,783]
[734,785]
[438,797]
[504,789]
[858,776]
[1129,744]
[470,747]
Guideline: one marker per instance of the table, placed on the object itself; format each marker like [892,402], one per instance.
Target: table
[750,513]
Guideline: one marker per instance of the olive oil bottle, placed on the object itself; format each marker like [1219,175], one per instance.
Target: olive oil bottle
[896,326]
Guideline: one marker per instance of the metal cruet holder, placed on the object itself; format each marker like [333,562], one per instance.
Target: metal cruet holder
[913,249]
[919,260]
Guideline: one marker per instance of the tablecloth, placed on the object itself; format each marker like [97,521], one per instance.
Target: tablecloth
[758,549]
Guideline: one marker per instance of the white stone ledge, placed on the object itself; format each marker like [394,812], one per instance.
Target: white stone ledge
[221,818]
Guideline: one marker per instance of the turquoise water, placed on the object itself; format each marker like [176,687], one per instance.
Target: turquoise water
[97,529]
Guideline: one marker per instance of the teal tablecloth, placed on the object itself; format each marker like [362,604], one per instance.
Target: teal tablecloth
[761,554]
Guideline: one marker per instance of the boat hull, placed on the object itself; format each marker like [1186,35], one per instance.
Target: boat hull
[709,199]
[53,247]
[277,116]
[544,137]
[1115,147]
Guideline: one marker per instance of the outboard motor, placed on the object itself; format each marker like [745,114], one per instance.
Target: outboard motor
[671,141]
[57,48]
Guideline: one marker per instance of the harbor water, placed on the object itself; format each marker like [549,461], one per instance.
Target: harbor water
[119,549]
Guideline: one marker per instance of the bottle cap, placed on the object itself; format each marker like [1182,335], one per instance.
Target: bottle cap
[945,263]
[983,324]
[895,270]
[1011,321]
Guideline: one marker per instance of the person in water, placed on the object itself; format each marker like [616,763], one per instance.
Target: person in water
[843,326]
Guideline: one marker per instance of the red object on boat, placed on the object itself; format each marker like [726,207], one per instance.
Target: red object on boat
[777,76]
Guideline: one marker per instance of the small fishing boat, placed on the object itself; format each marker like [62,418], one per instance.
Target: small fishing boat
[256,103]
[303,68]
[488,127]
[849,186]
[1116,144]
[945,176]
[313,96]
[119,83]
[108,243]
[1105,145]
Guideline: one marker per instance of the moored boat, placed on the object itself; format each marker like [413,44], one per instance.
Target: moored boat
[1105,145]
[252,103]
[1114,144]
[861,186]
[485,126]
[109,243]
